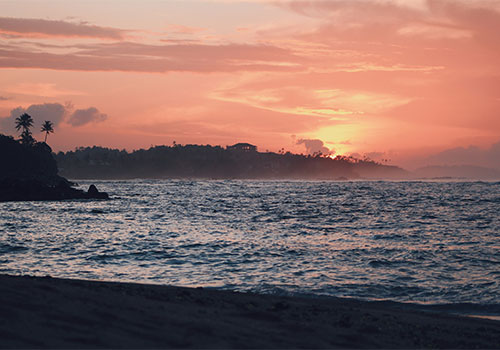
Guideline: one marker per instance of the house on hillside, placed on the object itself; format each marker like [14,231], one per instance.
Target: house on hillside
[242,147]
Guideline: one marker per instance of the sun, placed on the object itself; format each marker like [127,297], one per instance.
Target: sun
[341,139]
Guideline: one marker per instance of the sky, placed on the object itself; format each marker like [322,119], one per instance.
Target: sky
[399,80]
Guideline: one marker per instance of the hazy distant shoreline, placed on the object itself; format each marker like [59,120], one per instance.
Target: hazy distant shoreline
[215,162]
[86,180]
[46,312]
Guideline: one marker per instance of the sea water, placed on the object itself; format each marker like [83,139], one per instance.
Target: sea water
[425,242]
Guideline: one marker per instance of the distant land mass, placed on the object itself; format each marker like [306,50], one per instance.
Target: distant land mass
[457,172]
[240,161]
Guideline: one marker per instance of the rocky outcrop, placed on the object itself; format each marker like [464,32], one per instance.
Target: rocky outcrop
[94,193]
[29,173]
[29,189]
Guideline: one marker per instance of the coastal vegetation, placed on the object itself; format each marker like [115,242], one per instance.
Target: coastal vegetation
[24,122]
[29,170]
[239,161]
[47,128]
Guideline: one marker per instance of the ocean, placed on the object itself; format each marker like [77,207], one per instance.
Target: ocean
[421,242]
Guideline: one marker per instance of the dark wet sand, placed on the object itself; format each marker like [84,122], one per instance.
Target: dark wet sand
[58,313]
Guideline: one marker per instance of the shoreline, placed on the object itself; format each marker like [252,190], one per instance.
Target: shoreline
[46,312]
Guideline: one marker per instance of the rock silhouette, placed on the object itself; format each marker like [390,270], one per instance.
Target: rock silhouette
[93,192]
[30,173]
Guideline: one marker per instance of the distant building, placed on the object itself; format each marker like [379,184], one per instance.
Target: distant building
[242,147]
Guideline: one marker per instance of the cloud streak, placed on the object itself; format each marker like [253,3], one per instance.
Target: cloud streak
[394,33]
[34,27]
[136,57]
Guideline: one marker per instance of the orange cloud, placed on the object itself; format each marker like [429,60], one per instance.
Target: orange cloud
[440,59]
[333,104]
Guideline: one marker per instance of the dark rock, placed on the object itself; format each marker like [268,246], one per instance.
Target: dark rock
[29,173]
[93,193]
[92,189]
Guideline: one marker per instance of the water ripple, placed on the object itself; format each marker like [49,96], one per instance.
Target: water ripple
[432,242]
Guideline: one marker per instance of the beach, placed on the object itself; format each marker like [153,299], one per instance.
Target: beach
[45,312]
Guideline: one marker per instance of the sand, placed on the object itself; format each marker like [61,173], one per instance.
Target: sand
[44,312]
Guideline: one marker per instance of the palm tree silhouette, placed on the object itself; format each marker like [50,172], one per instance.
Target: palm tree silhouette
[25,122]
[47,128]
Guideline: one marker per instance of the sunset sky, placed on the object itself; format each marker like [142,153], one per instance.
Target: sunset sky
[394,79]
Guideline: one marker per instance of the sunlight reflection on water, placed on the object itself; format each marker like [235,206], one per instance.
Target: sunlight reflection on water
[406,241]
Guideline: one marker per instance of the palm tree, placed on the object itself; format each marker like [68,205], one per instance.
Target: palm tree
[25,122]
[47,128]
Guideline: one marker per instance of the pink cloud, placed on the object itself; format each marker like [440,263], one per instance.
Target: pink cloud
[441,32]
[55,112]
[34,27]
[443,56]
[315,146]
[85,116]
[129,56]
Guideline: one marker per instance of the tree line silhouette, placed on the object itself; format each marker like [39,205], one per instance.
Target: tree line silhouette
[240,161]
[214,162]
[25,122]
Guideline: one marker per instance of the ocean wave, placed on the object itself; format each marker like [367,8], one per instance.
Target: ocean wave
[426,242]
